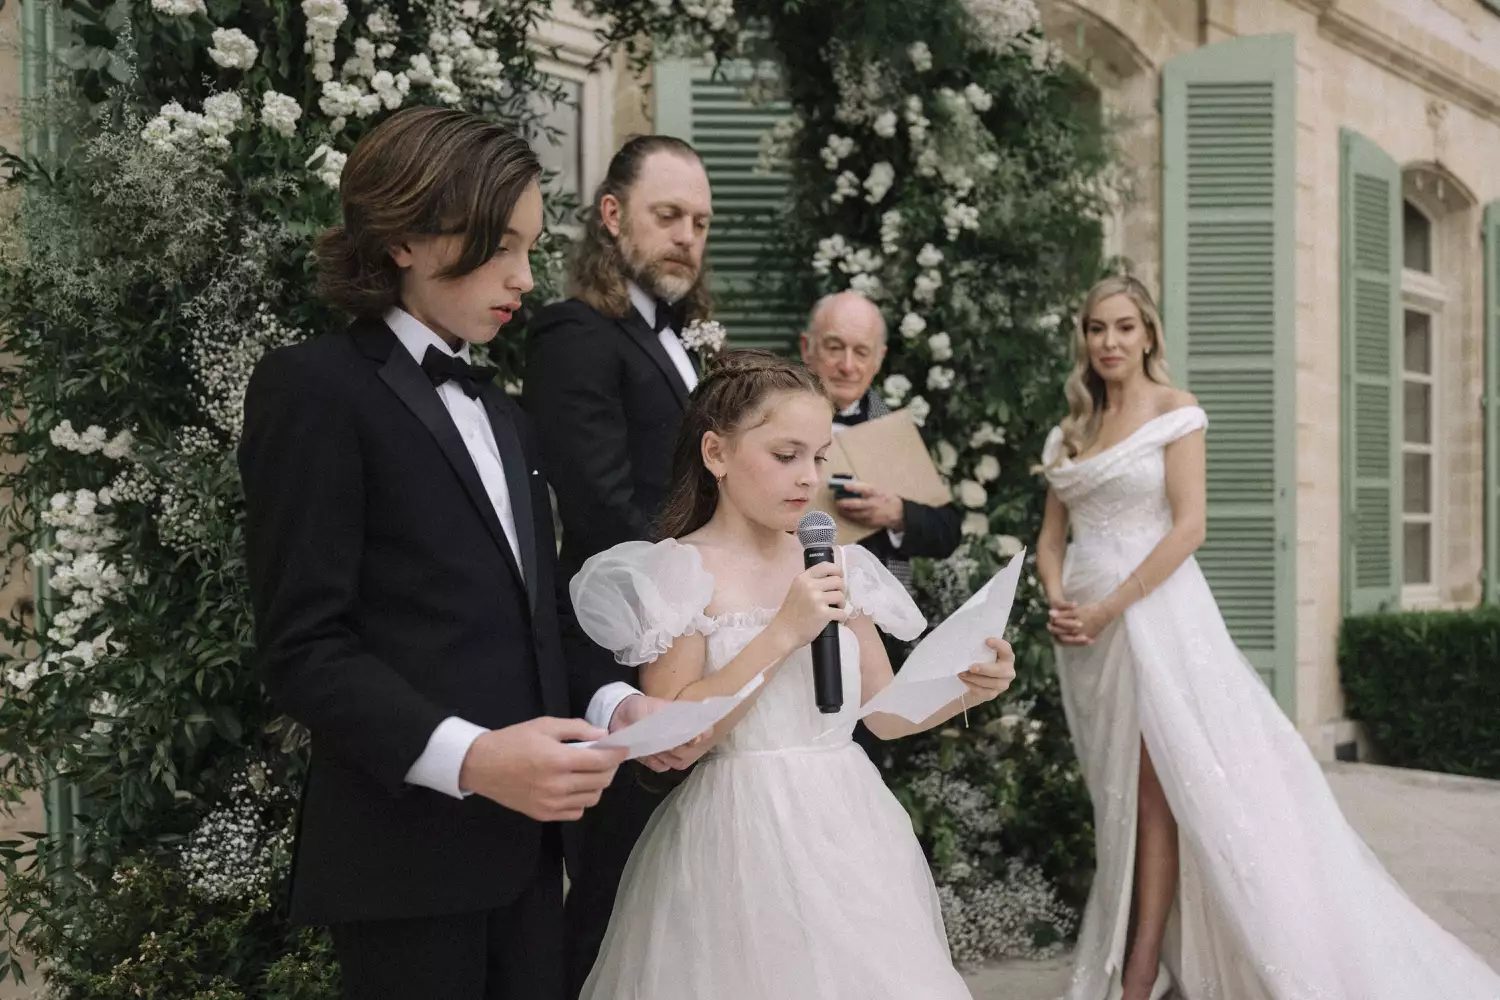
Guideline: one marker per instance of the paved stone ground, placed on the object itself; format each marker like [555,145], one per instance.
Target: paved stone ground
[1438,835]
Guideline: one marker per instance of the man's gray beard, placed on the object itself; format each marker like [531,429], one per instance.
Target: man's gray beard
[651,276]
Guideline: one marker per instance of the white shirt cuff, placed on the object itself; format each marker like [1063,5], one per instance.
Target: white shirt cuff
[441,763]
[604,702]
[895,537]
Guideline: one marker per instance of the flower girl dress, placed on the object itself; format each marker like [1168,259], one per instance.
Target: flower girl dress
[782,868]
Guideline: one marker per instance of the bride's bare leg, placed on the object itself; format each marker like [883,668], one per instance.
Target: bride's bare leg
[1155,881]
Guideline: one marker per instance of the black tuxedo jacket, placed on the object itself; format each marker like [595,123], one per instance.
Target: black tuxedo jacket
[387,598]
[608,403]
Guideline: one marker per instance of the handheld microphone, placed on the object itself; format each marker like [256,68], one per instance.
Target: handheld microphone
[816,532]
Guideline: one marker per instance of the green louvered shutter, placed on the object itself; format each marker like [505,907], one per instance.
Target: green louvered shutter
[40,42]
[1228,227]
[1492,403]
[724,122]
[1370,248]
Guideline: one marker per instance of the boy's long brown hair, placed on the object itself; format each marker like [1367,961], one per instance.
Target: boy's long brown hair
[421,172]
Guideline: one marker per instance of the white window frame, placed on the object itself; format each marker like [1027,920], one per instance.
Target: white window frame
[566,43]
[1424,293]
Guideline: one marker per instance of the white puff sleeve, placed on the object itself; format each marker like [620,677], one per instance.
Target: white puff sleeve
[637,598]
[873,591]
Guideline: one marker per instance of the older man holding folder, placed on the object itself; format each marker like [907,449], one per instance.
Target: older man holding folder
[845,346]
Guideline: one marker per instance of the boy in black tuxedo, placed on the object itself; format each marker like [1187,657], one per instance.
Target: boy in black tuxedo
[403,576]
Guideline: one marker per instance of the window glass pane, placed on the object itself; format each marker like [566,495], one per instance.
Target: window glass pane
[1418,413]
[1416,233]
[1418,551]
[1418,338]
[1417,484]
[558,140]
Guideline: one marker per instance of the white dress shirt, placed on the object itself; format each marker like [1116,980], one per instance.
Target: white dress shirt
[442,761]
[646,306]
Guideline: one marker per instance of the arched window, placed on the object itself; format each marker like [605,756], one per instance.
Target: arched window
[1437,230]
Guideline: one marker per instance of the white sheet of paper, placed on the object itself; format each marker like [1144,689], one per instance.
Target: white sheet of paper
[929,678]
[675,724]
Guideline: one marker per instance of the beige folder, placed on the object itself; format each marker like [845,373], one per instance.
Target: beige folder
[887,452]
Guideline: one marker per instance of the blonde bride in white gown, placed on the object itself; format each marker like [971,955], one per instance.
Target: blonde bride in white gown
[782,868]
[1225,868]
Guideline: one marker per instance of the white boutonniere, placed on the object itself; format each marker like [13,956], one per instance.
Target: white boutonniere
[705,337]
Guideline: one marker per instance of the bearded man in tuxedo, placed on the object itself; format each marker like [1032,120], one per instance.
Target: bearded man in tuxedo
[607,380]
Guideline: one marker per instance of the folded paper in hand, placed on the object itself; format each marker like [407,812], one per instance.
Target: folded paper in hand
[674,724]
[929,679]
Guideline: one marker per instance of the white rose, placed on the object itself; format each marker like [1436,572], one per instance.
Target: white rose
[1049,323]
[929,256]
[941,347]
[835,149]
[919,409]
[939,378]
[912,325]
[920,56]
[895,388]
[233,49]
[225,108]
[878,184]
[976,523]
[985,435]
[988,469]
[947,457]
[1007,546]
[279,113]
[331,167]
[867,285]
[972,495]
[978,98]
[885,125]
[926,286]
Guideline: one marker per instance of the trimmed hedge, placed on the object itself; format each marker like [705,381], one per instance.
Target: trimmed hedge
[1427,686]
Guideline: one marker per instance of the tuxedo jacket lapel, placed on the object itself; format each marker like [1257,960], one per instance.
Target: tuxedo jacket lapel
[405,378]
[518,473]
[641,333]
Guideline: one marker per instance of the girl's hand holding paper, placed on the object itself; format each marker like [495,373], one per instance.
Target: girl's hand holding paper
[959,657]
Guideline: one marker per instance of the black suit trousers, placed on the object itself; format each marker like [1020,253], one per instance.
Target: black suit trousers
[514,952]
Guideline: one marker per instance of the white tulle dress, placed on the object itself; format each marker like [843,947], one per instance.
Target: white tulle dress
[782,868]
[1278,897]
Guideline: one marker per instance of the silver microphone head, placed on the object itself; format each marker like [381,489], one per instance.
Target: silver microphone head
[816,528]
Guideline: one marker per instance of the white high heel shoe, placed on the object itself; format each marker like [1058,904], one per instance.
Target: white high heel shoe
[1163,984]
[1159,989]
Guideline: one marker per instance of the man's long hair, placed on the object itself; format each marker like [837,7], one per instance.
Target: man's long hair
[598,270]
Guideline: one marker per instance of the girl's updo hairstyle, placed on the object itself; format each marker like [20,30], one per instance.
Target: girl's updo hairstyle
[732,391]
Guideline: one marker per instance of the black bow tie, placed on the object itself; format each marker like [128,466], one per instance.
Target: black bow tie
[670,316]
[440,367]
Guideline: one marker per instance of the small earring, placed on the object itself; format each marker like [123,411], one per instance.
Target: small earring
[721,477]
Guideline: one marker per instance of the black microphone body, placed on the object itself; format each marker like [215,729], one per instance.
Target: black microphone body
[828,675]
[817,533]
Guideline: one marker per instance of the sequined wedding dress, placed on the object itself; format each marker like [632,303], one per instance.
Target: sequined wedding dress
[1278,897]
[782,868]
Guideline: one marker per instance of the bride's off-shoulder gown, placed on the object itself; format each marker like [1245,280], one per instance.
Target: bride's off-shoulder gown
[1278,897]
